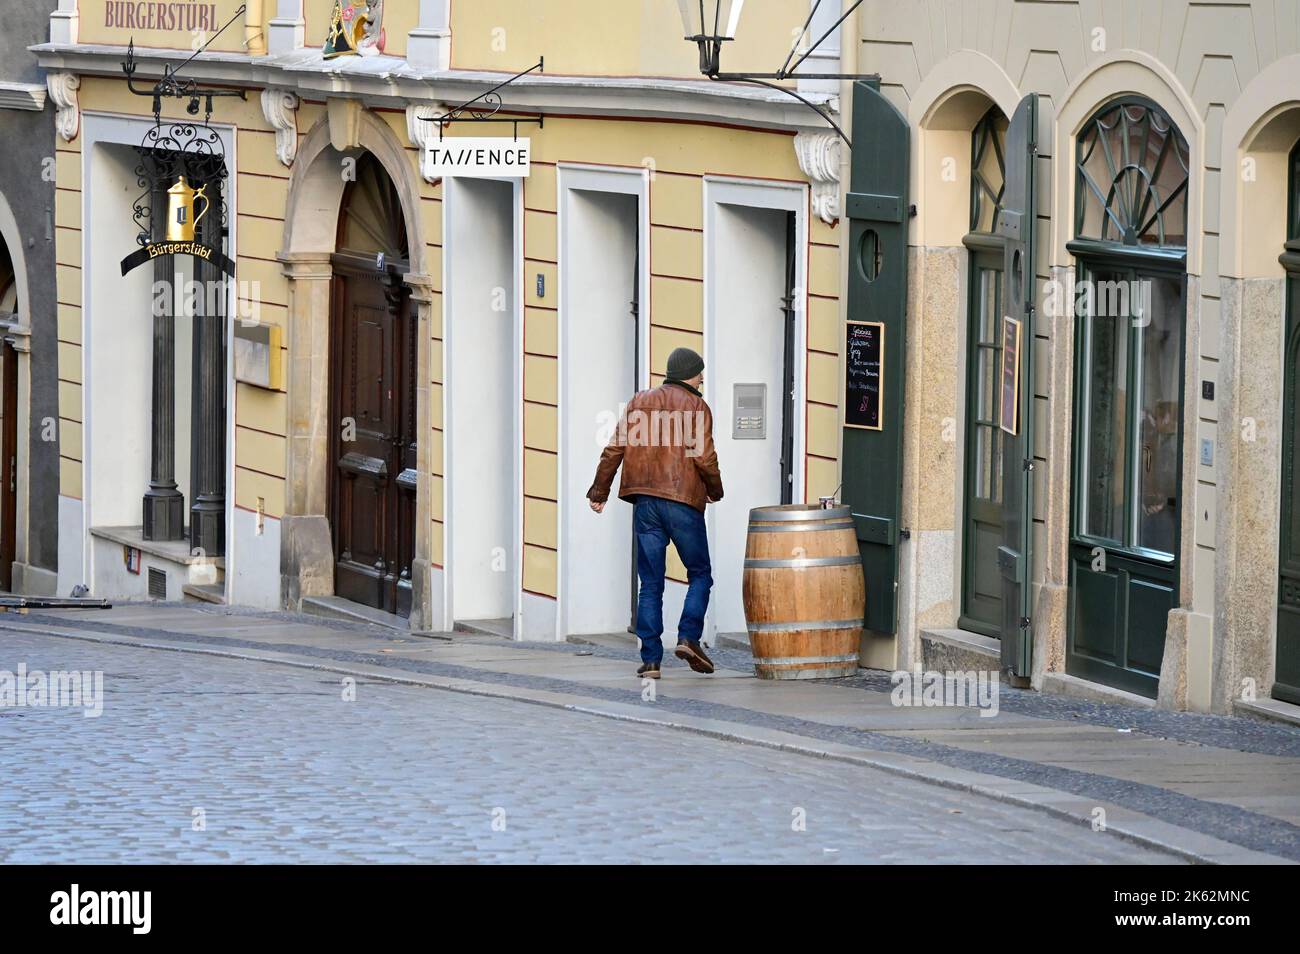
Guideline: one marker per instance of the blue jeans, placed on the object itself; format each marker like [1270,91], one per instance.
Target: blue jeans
[656,521]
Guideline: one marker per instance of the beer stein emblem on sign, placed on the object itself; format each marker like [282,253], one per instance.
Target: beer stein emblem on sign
[181,220]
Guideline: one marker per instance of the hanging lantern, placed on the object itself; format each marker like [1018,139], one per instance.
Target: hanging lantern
[710,23]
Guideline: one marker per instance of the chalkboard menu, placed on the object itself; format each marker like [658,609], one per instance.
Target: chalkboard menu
[864,375]
[1009,418]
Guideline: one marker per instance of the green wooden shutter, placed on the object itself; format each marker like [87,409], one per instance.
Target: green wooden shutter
[1016,226]
[872,460]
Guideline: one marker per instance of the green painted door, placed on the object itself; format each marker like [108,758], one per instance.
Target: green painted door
[1286,680]
[981,605]
[1132,183]
[872,459]
[1127,473]
[1016,225]
[981,583]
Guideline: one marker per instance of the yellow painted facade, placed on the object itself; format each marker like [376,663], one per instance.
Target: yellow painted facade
[579,37]
[676,307]
[597,38]
[67,232]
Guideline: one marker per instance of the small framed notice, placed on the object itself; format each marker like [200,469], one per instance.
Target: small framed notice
[1009,406]
[864,375]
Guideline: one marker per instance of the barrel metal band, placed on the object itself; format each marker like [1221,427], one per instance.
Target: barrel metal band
[773,515]
[801,564]
[799,660]
[799,627]
[805,527]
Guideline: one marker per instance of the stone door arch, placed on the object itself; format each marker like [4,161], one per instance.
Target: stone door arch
[310,232]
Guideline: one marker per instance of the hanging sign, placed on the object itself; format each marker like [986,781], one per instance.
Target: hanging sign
[181,236]
[477,157]
[1009,407]
[204,253]
[864,375]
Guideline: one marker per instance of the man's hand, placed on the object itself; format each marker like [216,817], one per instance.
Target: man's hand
[598,507]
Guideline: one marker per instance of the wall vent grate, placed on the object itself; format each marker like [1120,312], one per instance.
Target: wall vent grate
[157,584]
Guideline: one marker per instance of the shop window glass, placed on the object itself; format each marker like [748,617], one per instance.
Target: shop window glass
[1159,341]
[988,445]
[988,171]
[1107,359]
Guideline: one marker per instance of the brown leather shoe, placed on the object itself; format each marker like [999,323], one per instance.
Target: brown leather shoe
[648,671]
[693,654]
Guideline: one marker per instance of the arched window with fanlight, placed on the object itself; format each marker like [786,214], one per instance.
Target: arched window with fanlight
[1132,182]
[981,588]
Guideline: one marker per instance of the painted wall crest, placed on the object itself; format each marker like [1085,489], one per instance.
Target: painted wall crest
[356,29]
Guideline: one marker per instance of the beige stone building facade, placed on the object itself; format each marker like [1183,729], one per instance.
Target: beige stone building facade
[1224,76]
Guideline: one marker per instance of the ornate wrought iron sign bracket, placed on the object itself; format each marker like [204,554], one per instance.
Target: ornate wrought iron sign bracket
[171,85]
[485,107]
[182,169]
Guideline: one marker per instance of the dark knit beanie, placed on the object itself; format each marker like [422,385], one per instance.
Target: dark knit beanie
[684,364]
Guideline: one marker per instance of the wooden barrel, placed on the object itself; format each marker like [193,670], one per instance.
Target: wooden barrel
[804,592]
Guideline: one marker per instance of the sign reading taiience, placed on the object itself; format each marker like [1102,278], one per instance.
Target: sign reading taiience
[478,157]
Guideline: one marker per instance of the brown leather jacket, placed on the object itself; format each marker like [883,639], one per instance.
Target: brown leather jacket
[665,443]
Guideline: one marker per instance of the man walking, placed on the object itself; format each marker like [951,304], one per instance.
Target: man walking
[670,471]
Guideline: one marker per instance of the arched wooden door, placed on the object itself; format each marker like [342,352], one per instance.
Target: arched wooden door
[372,397]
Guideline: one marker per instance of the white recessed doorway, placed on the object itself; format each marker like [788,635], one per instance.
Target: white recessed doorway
[603,345]
[755,266]
[482,344]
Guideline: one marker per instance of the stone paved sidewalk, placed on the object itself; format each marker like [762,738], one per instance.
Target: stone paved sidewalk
[1216,788]
[202,759]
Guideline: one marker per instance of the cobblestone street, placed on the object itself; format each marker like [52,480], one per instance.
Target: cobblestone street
[279,767]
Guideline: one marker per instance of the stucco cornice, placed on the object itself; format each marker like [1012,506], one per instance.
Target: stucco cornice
[392,81]
[22,95]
